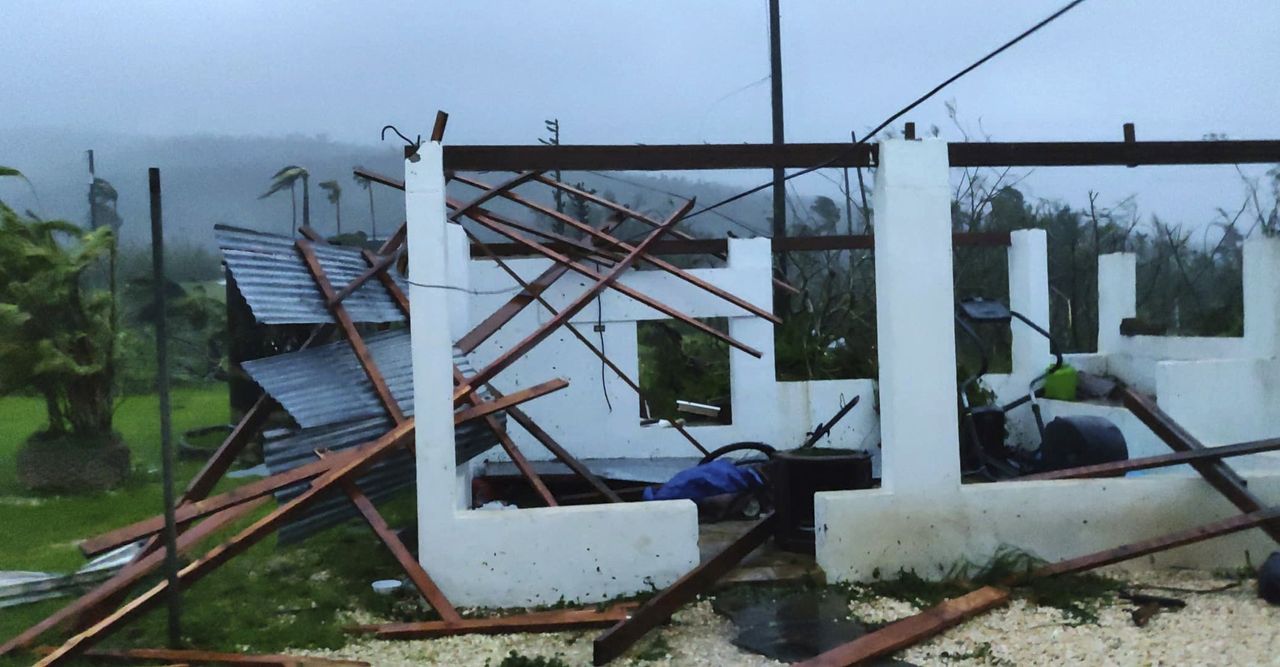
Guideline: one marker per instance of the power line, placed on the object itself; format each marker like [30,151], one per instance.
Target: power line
[901,112]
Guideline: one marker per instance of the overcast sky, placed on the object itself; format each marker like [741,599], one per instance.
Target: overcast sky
[672,71]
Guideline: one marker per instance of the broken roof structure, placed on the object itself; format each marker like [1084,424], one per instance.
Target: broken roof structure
[405,394]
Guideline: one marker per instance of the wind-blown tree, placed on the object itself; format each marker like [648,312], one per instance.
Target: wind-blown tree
[288,177]
[57,339]
[367,185]
[335,197]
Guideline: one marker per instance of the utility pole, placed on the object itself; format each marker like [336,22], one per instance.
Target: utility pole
[93,182]
[553,129]
[779,174]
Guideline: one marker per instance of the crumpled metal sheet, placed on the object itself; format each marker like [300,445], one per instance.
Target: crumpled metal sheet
[279,289]
[18,588]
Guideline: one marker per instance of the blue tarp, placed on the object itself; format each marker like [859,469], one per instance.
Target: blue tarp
[703,481]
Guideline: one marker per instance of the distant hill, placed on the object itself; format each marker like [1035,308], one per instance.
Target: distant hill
[210,180]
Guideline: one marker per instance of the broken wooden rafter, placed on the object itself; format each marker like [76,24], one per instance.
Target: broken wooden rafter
[624,246]
[1116,468]
[659,608]
[578,267]
[911,630]
[519,349]
[497,190]
[483,408]
[517,303]
[599,254]
[558,620]
[412,568]
[635,215]
[307,249]
[914,629]
[246,538]
[509,446]
[556,450]
[120,583]
[1215,471]
[579,335]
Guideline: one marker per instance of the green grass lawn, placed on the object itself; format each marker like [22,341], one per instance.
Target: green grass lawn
[267,599]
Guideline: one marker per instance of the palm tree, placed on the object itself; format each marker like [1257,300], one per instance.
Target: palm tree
[335,198]
[288,178]
[373,222]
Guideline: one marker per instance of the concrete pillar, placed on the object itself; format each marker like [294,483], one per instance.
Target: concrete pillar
[915,309]
[753,382]
[458,251]
[1117,297]
[432,345]
[1029,295]
[1261,302]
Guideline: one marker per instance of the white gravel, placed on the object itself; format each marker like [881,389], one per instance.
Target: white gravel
[1231,627]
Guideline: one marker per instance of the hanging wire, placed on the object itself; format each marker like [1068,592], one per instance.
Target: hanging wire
[414,143]
[900,113]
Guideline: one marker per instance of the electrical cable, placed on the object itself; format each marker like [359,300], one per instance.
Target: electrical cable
[901,112]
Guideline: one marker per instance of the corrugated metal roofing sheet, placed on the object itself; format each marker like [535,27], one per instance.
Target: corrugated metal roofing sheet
[280,290]
[318,383]
[327,385]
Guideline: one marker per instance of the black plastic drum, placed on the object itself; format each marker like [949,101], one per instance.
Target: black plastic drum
[1081,441]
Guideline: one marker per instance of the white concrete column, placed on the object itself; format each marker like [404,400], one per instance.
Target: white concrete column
[915,309]
[1029,295]
[432,344]
[1117,297]
[458,250]
[1261,301]
[753,385]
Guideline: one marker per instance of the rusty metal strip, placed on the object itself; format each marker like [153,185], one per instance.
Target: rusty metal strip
[623,245]
[236,545]
[518,350]
[122,581]
[361,351]
[1117,468]
[616,640]
[1216,472]
[559,620]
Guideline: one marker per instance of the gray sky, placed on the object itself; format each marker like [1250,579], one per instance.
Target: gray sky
[657,72]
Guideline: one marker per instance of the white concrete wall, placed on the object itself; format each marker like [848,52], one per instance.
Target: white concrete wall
[929,527]
[580,417]
[517,557]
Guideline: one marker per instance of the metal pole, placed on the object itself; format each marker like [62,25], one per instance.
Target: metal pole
[779,173]
[93,181]
[162,386]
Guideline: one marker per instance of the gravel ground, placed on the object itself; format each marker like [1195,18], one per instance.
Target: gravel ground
[1230,627]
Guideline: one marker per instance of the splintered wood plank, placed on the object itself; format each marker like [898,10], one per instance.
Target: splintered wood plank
[616,640]
[558,620]
[911,630]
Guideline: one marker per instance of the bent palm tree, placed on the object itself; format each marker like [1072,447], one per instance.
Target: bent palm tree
[288,177]
[335,198]
[373,222]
